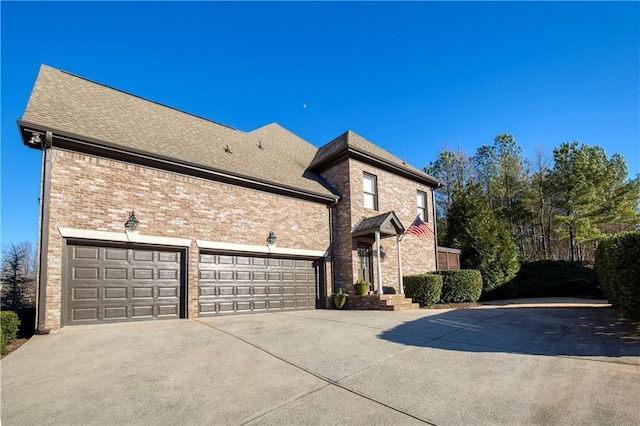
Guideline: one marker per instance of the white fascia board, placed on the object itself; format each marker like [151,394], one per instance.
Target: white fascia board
[88,234]
[249,248]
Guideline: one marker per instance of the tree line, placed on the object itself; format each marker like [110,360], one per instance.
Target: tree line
[556,205]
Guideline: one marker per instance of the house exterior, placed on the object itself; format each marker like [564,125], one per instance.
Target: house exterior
[200,200]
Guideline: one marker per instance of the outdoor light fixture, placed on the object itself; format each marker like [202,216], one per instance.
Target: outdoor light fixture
[35,139]
[131,225]
[271,239]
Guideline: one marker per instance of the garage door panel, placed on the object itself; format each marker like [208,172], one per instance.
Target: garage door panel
[168,274]
[111,293]
[207,308]
[168,257]
[115,313]
[259,276]
[114,254]
[92,273]
[274,276]
[288,276]
[120,284]
[142,274]
[115,273]
[275,304]
[225,291]
[142,292]
[85,253]
[207,275]
[259,305]
[168,292]
[259,261]
[236,284]
[143,311]
[87,293]
[207,291]
[168,310]
[85,314]
[225,307]
[225,275]
[243,275]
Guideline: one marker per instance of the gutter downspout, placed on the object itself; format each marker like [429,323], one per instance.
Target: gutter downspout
[43,242]
[332,246]
[435,226]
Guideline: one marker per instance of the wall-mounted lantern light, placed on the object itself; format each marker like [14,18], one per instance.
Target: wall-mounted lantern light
[271,239]
[131,225]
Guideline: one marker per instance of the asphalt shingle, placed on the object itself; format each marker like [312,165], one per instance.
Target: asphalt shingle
[65,102]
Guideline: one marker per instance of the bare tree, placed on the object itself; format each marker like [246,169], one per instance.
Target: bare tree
[18,276]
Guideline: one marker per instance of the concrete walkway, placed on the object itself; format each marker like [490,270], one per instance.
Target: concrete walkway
[551,362]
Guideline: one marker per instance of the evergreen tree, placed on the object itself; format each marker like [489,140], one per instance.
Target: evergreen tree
[454,171]
[17,275]
[591,195]
[485,241]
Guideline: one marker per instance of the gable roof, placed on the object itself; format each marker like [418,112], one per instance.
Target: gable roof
[387,224]
[75,107]
[352,145]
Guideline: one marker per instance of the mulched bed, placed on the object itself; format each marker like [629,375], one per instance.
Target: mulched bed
[462,305]
[15,345]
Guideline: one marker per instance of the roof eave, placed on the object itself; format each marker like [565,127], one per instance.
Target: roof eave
[358,154]
[85,144]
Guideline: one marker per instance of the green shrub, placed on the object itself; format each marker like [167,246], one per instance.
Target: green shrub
[9,323]
[424,289]
[485,241]
[618,268]
[505,291]
[464,285]
[549,278]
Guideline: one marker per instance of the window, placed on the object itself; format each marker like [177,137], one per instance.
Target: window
[370,192]
[422,206]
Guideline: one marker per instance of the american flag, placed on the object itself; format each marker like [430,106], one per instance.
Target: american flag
[420,229]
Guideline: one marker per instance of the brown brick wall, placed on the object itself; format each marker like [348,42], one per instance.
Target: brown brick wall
[338,177]
[395,193]
[97,194]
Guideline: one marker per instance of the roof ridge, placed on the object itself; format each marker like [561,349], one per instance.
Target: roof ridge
[279,126]
[137,96]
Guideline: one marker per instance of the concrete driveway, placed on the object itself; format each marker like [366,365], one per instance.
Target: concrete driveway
[548,363]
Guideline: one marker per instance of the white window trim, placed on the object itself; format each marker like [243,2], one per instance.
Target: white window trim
[425,208]
[374,193]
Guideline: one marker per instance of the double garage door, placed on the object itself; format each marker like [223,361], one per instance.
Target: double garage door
[242,284]
[105,283]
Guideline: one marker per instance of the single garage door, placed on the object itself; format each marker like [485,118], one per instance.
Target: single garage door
[242,284]
[119,283]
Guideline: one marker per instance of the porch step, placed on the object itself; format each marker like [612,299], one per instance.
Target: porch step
[403,307]
[383,302]
[396,302]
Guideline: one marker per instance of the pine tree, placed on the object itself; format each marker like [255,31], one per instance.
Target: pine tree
[485,242]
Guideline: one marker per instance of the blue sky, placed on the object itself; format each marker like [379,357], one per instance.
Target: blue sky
[411,77]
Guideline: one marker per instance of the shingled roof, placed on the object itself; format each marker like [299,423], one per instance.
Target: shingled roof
[352,144]
[72,105]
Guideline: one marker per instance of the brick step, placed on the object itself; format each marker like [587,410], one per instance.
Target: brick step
[403,301]
[385,302]
[403,307]
[391,296]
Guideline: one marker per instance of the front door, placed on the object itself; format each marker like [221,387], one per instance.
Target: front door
[365,263]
